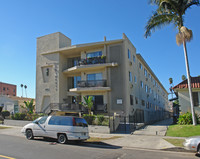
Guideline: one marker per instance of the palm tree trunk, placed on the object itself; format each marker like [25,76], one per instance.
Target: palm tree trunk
[189,83]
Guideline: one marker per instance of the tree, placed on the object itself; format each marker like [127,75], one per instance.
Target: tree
[172,11]
[171,83]
[22,89]
[183,77]
[25,87]
[170,80]
[88,103]
[30,107]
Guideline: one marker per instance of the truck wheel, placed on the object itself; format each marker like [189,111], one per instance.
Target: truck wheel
[62,139]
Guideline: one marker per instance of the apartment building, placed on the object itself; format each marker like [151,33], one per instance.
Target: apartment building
[8,89]
[120,81]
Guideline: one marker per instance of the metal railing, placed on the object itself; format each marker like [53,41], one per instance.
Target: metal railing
[92,60]
[63,107]
[92,83]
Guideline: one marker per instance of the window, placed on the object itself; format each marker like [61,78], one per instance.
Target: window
[149,75]
[147,105]
[94,54]
[149,90]
[76,80]
[7,88]
[143,102]
[140,66]
[136,100]
[4,88]
[195,98]
[141,84]
[96,76]
[145,72]
[133,58]
[135,79]
[146,88]
[131,99]
[129,55]
[130,77]
[80,122]
[42,120]
[60,120]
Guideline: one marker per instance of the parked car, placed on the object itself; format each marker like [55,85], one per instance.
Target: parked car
[192,143]
[62,128]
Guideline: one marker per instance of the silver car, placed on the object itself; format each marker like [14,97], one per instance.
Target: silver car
[192,143]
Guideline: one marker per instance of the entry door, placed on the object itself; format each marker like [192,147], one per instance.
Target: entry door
[98,100]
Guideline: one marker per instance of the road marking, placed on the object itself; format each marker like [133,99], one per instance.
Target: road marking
[7,157]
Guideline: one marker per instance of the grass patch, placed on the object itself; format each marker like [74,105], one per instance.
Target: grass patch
[183,130]
[175,142]
[3,127]
[98,139]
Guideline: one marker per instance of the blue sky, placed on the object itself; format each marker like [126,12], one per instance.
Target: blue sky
[87,21]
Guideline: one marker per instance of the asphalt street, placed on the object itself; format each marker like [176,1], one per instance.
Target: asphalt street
[16,147]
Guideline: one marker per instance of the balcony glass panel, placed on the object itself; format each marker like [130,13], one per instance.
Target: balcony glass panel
[94,54]
[92,83]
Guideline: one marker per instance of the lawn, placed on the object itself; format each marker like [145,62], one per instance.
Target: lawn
[175,142]
[183,130]
[3,127]
[97,139]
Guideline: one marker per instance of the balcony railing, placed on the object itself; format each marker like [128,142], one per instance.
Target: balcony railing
[92,83]
[63,107]
[92,60]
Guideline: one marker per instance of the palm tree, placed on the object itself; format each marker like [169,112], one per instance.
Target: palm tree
[183,77]
[172,11]
[25,87]
[22,89]
[88,103]
[30,108]
[171,83]
[170,80]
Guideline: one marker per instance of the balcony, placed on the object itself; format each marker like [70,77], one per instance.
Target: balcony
[92,83]
[69,107]
[93,60]
[91,86]
[89,64]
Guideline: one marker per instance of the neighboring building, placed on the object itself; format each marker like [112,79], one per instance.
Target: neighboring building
[120,81]
[182,92]
[8,89]
[13,103]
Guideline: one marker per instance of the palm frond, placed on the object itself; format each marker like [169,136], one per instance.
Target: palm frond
[190,3]
[158,21]
[156,2]
[185,34]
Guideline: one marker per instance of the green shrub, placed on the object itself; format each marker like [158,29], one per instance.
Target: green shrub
[186,119]
[100,119]
[105,122]
[19,116]
[89,118]
[5,113]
